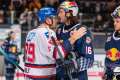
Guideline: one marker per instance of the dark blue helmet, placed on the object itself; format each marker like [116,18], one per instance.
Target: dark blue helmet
[46,12]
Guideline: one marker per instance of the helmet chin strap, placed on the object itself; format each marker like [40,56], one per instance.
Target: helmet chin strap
[49,24]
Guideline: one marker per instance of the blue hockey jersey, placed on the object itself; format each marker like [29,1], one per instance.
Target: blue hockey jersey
[10,48]
[83,46]
[112,48]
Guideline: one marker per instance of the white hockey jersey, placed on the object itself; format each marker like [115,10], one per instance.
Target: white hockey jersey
[41,55]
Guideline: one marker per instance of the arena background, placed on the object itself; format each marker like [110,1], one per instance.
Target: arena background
[87,19]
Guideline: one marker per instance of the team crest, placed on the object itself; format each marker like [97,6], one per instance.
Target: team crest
[114,13]
[71,33]
[59,30]
[88,40]
[30,36]
[108,39]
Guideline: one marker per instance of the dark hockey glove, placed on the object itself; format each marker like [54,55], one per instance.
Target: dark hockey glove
[69,66]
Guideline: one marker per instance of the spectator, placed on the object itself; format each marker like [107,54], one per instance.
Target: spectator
[35,20]
[110,23]
[2,19]
[34,3]
[46,4]
[105,27]
[3,14]
[16,3]
[98,23]
[119,3]
[24,17]
[11,8]
[97,9]
[22,7]
[5,4]
[86,8]
[55,5]
[110,7]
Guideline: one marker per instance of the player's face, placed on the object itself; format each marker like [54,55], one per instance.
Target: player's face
[12,35]
[117,24]
[62,16]
[55,20]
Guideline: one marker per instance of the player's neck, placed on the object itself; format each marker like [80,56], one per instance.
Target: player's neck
[67,23]
[11,39]
[43,25]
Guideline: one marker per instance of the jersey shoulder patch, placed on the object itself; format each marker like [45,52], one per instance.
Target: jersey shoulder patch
[30,36]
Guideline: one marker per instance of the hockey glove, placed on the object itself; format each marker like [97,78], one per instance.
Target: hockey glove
[69,66]
[17,60]
[73,55]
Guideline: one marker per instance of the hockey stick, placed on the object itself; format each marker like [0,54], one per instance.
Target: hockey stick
[62,59]
[106,34]
[11,60]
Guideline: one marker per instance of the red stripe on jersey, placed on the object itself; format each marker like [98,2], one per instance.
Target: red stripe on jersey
[40,76]
[40,27]
[30,66]
[55,54]
[63,50]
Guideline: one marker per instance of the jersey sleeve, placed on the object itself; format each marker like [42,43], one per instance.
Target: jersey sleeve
[49,48]
[3,47]
[84,46]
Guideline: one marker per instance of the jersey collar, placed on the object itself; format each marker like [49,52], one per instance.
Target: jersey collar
[65,31]
[116,38]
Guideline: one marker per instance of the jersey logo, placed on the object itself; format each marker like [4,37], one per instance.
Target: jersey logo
[30,36]
[108,39]
[49,48]
[59,30]
[47,34]
[113,54]
[60,41]
[88,40]
[12,49]
[71,33]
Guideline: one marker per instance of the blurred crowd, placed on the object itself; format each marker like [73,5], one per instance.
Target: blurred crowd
[96,14]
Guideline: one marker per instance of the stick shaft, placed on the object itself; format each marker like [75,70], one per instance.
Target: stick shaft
[11,60]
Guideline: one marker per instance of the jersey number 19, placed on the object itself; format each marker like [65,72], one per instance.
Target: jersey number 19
[29,52]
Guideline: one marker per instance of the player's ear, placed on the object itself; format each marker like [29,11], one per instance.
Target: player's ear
[68,14]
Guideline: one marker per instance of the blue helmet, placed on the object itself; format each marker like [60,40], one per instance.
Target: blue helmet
[116,13]
[10,32]
[46,12]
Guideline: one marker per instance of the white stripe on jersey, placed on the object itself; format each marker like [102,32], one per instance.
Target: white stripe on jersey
[41,71]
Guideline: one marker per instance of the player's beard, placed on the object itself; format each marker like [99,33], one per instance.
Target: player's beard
[63,20]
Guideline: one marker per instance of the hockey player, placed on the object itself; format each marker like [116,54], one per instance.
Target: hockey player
[10,47]
[40,52]
[81,55]
[112,49]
